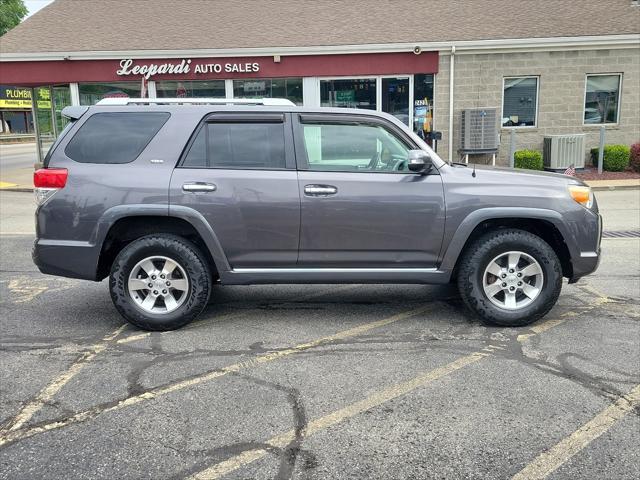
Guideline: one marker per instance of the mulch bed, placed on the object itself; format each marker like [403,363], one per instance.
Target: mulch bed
[590,173]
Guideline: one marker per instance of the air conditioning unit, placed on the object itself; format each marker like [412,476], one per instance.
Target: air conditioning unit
[479,130]
[562,151]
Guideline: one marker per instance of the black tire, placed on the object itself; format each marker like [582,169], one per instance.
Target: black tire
[477,257]
[174,247]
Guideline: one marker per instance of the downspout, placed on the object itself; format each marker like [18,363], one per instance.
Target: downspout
[451,73]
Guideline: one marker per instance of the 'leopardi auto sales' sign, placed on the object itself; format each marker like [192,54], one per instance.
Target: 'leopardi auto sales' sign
[128,67]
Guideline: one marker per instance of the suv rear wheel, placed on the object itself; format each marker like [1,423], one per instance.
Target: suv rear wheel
[160,282]
[510,277]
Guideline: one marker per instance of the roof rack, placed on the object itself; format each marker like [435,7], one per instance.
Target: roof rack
[197,101]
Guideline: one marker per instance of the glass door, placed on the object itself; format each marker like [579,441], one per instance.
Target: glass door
[395,97]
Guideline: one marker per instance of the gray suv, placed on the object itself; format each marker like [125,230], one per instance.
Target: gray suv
[168,197]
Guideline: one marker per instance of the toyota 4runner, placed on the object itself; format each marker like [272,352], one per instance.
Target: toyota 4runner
[168,196]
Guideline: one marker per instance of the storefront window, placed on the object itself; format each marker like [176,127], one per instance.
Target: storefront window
[520,102]
[423,104]
[61,99]
[395,98]
[92,93]
[15,110]
[349,93]
[44,118]
[290,88]
[601,99]
[187,89]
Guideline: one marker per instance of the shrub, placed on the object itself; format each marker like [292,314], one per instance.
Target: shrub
[615,158]
[530,159]
[634,159]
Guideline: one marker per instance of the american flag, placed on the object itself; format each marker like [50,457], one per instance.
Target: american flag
[571,170]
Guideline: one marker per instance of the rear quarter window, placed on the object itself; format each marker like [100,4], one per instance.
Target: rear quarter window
[114,137]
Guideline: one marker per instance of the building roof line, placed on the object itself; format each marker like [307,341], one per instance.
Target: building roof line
[462,47]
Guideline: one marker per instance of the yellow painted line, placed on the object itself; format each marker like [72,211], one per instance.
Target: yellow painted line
[549,461]
[7,184]
[15,435]
[47,393]
[133,338]
[322,423]
[282,440]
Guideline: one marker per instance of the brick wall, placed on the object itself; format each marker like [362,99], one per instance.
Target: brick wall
[478,83]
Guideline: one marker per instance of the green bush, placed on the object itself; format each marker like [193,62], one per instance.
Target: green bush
[529,159]
[615,159]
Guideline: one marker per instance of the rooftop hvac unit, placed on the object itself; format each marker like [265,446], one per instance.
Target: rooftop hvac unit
[562,151]
[479,130]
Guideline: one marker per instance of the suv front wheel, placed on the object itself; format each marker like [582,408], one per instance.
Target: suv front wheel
[510,277]
[160,282]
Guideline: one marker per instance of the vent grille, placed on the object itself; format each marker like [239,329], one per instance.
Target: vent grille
[622,234]
[479,130]
[562,151]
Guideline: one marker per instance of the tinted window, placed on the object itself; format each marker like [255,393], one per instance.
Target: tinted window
[246,145]
[360,148]
[114,137]
[197,156]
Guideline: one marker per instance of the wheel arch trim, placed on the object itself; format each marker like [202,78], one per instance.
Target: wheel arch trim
[191,216]
[463,232]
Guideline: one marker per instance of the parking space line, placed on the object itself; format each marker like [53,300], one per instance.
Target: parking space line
[47,393]
[281,440]
[548,462]
[19,434]
[338,416]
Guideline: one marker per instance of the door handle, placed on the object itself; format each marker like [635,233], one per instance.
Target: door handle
[196,187]
[320,190]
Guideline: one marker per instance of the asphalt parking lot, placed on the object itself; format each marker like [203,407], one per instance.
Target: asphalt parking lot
[319,382]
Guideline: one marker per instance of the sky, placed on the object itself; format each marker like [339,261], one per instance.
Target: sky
[35,5]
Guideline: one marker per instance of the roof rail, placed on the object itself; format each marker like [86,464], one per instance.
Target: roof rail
[197,101]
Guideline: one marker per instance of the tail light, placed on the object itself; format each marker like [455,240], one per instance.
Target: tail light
[47,181]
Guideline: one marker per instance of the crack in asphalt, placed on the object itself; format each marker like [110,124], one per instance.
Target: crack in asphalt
[511,348]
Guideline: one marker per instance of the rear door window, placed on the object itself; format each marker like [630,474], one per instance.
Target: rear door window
[238,145]
[114,137]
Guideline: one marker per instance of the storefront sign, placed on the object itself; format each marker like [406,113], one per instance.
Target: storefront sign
[15,97]
[129,67]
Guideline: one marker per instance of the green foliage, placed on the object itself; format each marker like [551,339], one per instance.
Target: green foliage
[529,159]
[11,14]
[615,158]
[634,159]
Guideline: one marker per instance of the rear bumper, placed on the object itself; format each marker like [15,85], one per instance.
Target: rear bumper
[66,258]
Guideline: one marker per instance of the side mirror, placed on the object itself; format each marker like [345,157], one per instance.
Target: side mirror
[419,161]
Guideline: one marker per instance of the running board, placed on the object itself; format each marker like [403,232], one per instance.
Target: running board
[249,276]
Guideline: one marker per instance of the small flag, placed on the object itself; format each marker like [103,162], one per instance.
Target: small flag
[570,171]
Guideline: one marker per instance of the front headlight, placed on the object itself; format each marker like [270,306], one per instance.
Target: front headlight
[581,194]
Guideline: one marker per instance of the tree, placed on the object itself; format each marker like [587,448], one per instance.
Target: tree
[11,14]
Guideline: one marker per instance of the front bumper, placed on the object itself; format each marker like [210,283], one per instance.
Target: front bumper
[587,262]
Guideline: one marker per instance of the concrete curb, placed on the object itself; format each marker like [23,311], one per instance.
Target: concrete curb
[17,189]
[601,188]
